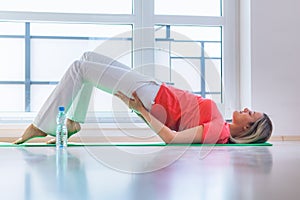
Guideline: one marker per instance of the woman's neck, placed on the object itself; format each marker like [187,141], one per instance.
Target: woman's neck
[235,130]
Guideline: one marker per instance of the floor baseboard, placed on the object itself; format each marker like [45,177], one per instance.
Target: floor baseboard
[11,132]
[126,138]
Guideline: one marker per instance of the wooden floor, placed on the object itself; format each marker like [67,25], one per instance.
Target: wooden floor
[175,172]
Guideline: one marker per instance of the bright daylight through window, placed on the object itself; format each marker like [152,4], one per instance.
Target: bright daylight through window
[39,40]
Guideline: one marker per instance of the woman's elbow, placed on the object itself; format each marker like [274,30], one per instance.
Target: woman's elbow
[169,138]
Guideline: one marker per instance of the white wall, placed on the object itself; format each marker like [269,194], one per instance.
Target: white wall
[275,61]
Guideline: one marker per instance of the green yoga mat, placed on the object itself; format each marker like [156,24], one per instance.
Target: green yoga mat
[77,144]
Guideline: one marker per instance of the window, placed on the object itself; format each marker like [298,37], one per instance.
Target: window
[51,48]
[189,42]
[192,56]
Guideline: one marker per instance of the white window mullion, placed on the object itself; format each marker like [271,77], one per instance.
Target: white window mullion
[230,59]
[188,20]
[144,36]
[66,17]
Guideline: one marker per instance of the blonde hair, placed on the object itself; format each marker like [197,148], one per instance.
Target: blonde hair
[259,132]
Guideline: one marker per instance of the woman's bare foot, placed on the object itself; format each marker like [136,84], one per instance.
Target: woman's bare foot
[72,127]
[30,132]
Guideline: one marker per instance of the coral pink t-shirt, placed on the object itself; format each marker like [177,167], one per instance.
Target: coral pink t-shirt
[180,110]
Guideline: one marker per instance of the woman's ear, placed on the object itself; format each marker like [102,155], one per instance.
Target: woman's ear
[246,127]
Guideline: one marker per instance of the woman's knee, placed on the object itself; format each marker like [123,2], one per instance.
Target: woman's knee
[86,56]
[76,66]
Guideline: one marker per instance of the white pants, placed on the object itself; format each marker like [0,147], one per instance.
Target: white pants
[93,70]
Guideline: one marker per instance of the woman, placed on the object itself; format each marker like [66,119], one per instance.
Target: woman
[177,116]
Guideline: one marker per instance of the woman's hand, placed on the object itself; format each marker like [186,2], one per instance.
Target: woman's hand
[133,103]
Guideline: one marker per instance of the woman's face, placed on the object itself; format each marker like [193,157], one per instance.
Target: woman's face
[245,117]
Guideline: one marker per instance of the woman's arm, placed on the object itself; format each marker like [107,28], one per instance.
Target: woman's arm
[192,135]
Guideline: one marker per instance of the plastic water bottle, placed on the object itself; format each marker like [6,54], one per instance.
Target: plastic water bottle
[61,129]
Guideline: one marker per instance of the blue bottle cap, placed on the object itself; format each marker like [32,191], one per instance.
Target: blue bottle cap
[61,108]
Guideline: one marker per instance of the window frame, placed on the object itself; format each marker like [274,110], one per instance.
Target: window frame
[143,17]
